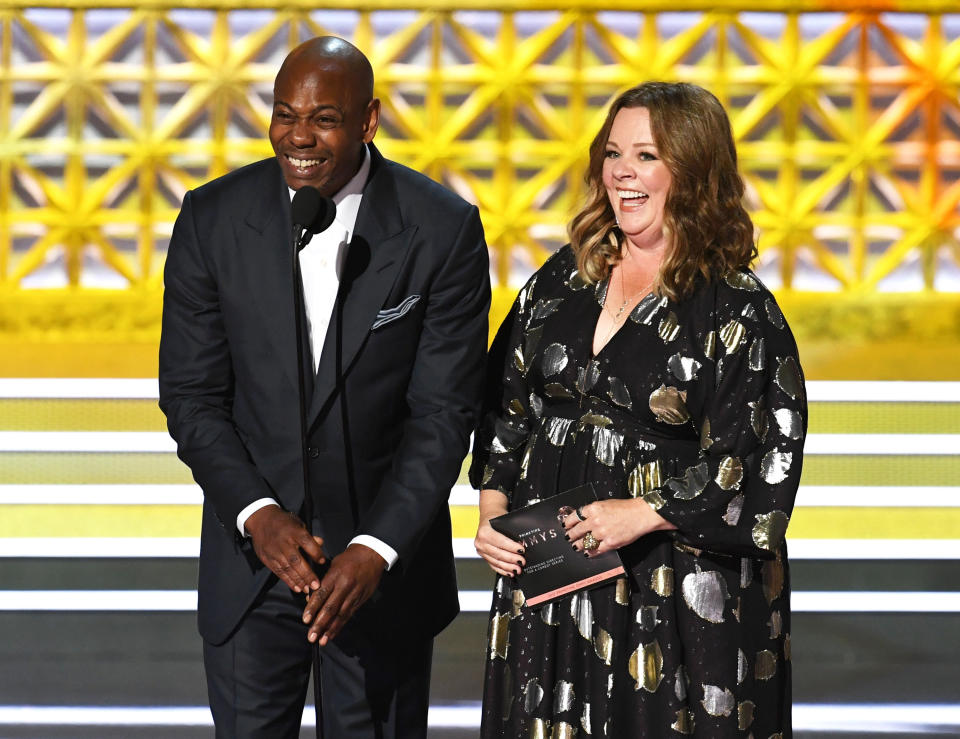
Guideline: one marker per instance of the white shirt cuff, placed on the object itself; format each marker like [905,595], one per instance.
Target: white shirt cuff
[388,553]
[250,510]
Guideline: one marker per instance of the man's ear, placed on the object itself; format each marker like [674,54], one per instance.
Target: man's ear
[371,120]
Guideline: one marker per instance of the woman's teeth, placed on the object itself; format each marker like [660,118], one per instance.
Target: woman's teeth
[631,194]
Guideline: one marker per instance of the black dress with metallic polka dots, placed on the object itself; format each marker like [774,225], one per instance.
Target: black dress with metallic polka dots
[698,407]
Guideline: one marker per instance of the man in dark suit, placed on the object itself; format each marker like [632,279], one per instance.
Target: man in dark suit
[397,338]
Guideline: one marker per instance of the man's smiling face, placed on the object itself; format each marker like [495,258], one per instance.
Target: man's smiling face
[320,123]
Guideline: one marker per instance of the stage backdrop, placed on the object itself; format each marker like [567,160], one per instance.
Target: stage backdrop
[846,116]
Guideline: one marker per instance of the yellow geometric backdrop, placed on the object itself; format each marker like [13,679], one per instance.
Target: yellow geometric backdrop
[847,117]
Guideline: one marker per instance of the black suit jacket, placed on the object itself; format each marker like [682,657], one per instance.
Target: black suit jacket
[228,381]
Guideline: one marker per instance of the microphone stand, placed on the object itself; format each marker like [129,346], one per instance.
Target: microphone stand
[301,404]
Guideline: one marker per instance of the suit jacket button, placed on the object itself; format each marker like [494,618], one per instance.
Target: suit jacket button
[313,452]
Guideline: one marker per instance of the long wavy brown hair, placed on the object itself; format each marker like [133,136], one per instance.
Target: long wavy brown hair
[709,230]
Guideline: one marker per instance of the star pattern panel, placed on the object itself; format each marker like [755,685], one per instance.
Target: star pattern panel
[847,122]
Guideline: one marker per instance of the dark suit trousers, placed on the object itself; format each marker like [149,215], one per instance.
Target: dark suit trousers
[375,683]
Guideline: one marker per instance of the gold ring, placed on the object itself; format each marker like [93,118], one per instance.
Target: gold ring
[590,542]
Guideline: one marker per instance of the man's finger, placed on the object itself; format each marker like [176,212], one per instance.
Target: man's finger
[323,553]
[321,623]
[282,569]
[300,572]
[314,603]
[334,629]
[348,607]
[312,546]
[325,615]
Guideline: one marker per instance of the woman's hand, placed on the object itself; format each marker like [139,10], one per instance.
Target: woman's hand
[614,523]
[503,554]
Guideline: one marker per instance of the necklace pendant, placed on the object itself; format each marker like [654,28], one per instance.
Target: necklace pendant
[623,307]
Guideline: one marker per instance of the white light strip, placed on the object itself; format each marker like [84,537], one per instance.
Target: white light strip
[98,600]
[476,601]
[464,549]
[100,495]
[824,601]
[86,441]
[464,495]
[136,494]
[886,444]
[106,716]
[817,390]
[160,441]
[879,549]
[471,601]
[879,717]
[809,496]
[105,547]
[460,716]
[813,496]
[188,547]
[883,391]
[876,717]
[79,387]
[439,717]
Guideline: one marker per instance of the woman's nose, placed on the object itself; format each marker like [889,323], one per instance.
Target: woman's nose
[622,170]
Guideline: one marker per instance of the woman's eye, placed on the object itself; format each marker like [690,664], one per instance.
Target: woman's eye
[646,156]
[610,154]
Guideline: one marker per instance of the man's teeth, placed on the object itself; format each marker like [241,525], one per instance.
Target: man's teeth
[303,163]
[629,194]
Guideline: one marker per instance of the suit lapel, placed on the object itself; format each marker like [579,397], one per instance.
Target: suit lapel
[264,235]
[378,248]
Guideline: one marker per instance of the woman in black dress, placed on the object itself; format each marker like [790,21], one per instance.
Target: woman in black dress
[647,359]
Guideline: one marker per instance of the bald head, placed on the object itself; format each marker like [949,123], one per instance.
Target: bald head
[324,114]
[328,53]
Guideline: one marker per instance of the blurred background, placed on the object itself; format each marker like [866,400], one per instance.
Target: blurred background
[847,117]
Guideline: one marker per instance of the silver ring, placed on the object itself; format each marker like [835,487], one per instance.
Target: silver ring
[590,542]
[579,512]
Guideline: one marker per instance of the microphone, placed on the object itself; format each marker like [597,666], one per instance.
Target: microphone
[311,213]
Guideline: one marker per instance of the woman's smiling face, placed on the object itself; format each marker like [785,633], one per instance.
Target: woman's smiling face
[636,178]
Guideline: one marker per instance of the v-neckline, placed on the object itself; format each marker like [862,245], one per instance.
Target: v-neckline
[599,301]
[600,297]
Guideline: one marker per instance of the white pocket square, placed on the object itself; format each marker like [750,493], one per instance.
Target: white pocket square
[392,314]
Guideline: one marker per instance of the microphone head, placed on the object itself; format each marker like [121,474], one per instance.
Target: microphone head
[311,211]
[325,215]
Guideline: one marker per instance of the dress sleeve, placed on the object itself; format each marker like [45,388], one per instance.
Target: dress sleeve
[505,422]
[738,496]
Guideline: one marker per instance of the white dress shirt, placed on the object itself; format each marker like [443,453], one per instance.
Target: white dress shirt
[319,270]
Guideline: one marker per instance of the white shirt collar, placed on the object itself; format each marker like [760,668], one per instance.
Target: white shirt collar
[348,198]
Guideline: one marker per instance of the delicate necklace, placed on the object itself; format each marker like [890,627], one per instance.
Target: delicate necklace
[627,299]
